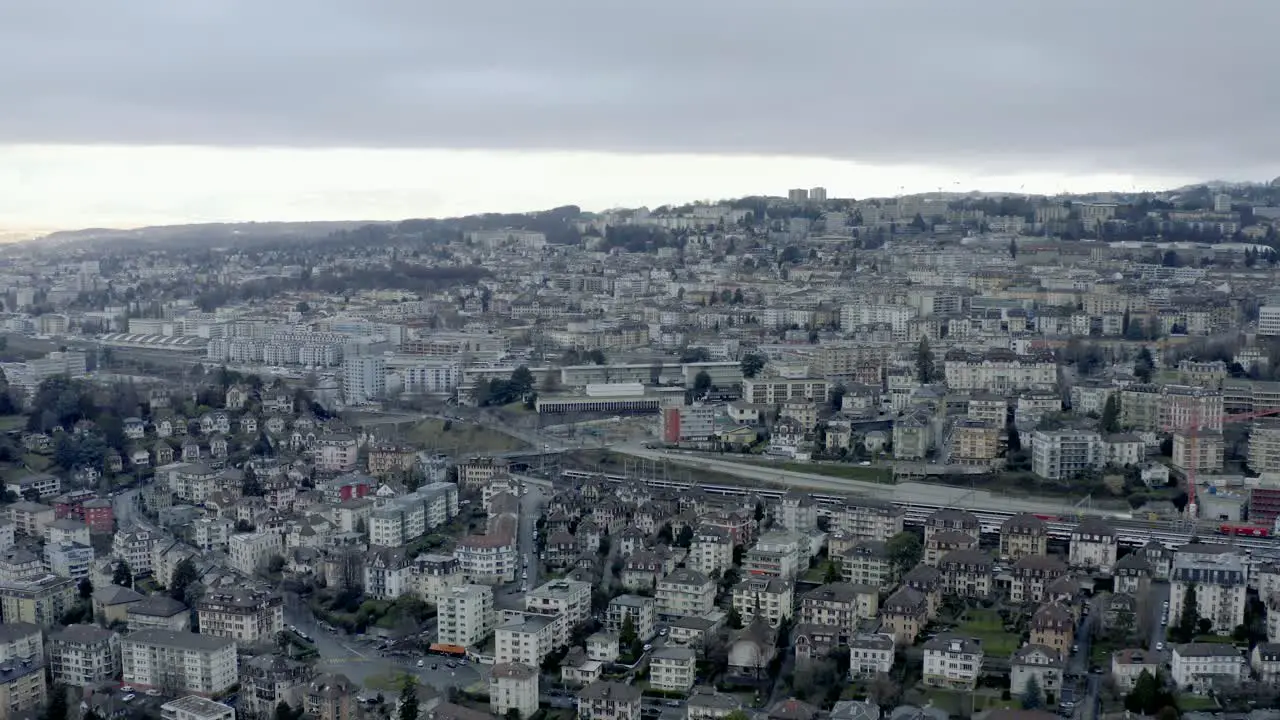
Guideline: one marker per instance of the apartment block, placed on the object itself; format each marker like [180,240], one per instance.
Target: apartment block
[194,707]
[513,687]
[179,662]
[527,640]
[245,615]
[686,592]
[250,552]
[466,615]
[1221,582]
[672,669]
[772,599]
[82,655]
[1064,454]
[42,601]
[640,610]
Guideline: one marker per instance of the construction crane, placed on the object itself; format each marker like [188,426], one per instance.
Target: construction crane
[1196,426]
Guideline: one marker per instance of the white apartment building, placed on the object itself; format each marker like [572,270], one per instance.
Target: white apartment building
[244,615]
[1038,662]
[66,532]
[490,559]
[868,519]
[607,700]
[1063,454]
[1269,320]
[952,662]
[404,519]
[250,551]
[134,547]
[762,390]
[870,654]
[1093,545]
[20,641]
[1221,582]
[686,592]
[29,518]
[364,378]
[466,615]
[69,561]
[1197,667]
[82,655]
[776,555]
[178,662]
[570,599]
[672,669]
[711,550]
[771,598]
[999,370]
[513,686]
[1264,446]
[641,610]
[527,640]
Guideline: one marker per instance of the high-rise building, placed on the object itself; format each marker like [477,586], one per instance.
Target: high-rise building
[798,195]
[818,194]
[364,378]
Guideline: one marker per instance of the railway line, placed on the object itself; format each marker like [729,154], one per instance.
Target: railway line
[1129,531]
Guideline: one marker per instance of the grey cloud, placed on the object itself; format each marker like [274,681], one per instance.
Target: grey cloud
[1170,86]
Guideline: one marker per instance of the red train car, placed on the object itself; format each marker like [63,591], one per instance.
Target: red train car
[1247,530]
[1046,518]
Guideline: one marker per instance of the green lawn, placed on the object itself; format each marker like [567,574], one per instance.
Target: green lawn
[1191,703]
[12,422]
[818,573]
[955,702]
[461,438]
[987,626]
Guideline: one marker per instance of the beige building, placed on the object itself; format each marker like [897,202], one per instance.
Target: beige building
[904,615]
[686,592]
[22,688]
[966,573]
[246,616]
[839,605]
[29,518]
[42,602]
[976,442]
[868,519]
[867,562]
[1022,536]
[513,686]
[173,662]
[672,668]
[1198,451]
[527,640]
[250,552]
[82,655]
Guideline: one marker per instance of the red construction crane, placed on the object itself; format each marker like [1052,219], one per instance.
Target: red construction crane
[1195,425]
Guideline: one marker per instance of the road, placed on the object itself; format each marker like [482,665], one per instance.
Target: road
[359,661]
[509,596]
[910,492]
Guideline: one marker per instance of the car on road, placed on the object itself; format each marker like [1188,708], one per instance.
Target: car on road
[648,647]
[524,575]
[1159,646]
[451,664]
[421,663]
[662,632]
[126,688]
[128,698]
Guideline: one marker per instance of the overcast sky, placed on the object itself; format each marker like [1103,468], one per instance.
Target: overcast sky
[141,111]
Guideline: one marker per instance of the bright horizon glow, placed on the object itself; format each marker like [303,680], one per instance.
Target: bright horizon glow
[44,187]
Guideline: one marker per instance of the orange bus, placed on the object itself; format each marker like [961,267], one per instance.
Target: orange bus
[446,649]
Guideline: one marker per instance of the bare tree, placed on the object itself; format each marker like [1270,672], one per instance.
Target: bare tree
[883,691]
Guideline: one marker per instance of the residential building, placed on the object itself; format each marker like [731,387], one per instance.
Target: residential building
[1264,660]
[640,610]
[1199,667]
[770,598]
[66,531]
[20,641]
[330,697]
[868,519]
[1093,545]
[176,662]
[904,615]
[266,680]
[42,601]
[159,612]
[250,552]
[1032,575]
[1129,664]
[952,520]
[867,562]
[22,688]
[528,640]
[1023,536]
[1220,579]
[607,700]
[672,669]
[513,686]
[686,592]
[30,518]
[711,550]
[966,573]
[774,555]
[83,655]
[952,662]
[1198,451]
[245,615]
[194,707]
[839,605]
[1043,664]
[570,599]
[466,615]
[870,654]
[1064,454]
[1053,626]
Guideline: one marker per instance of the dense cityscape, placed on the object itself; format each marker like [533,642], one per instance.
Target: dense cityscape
[791,457]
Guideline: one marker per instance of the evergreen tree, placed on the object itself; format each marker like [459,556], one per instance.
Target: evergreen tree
[924,362]
[122,575]
[409,699]
[1190,616]
[183,576]
[57,708]
[1013,248]
[1031,694]
[1111,414]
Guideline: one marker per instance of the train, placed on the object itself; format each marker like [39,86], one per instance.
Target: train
[1244,529]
